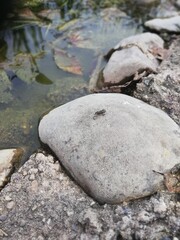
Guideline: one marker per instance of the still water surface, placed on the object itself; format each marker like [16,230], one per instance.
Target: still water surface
[32,54]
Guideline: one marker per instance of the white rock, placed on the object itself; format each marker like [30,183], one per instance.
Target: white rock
[125,64]
[145,41]
[112,144]
[168,24]
[132,55]
[178,3]
[7,159]
[10,205]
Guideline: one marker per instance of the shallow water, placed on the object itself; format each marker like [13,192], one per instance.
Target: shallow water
[27,48]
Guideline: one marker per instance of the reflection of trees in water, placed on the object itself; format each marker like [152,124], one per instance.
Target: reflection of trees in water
[70,8]
[3,50]
[27,39]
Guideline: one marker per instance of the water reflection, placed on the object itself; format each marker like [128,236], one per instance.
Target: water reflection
[51,5]
[28,39]
[3,50]
[28,51]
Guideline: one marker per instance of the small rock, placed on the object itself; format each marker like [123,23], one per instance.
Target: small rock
[144,217]
[70,213]
[32,177]
[40,237]
[175,238]
[126,223]
[24,173]
[90,220]
[34,186]
[34,207]
[168,24]
[111,234]
[3,233]
[10,205]
[8,198]
[33,171]
[125,64]
[8,157]
[160,206]
[129,60]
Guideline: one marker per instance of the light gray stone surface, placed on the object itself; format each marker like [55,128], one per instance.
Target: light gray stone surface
[162,90]
[178,3]
[131,57]
[113,145]
[168,24]
[145,41]
[53,207]
[124,64]
[8,157]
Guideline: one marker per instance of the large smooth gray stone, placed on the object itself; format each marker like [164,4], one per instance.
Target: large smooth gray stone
[113,145]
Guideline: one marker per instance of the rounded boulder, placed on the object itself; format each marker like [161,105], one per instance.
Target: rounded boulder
[113,145]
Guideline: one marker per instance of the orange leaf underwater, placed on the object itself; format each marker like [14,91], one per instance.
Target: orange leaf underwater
[67,62]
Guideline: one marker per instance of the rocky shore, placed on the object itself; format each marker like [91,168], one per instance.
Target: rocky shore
[42,201]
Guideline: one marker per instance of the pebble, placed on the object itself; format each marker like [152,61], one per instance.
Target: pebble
[8,157]
[40,238]
[24,173]
[32,177]
[70,213]
[33,171]
[126,222]
[160,206]
[8,198]
[144,217]
[34,207]
[10,205]
[34,186]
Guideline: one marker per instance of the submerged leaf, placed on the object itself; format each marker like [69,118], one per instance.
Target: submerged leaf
[27,14]
[67,62]
[41,78]
[65,26]
[79,40]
